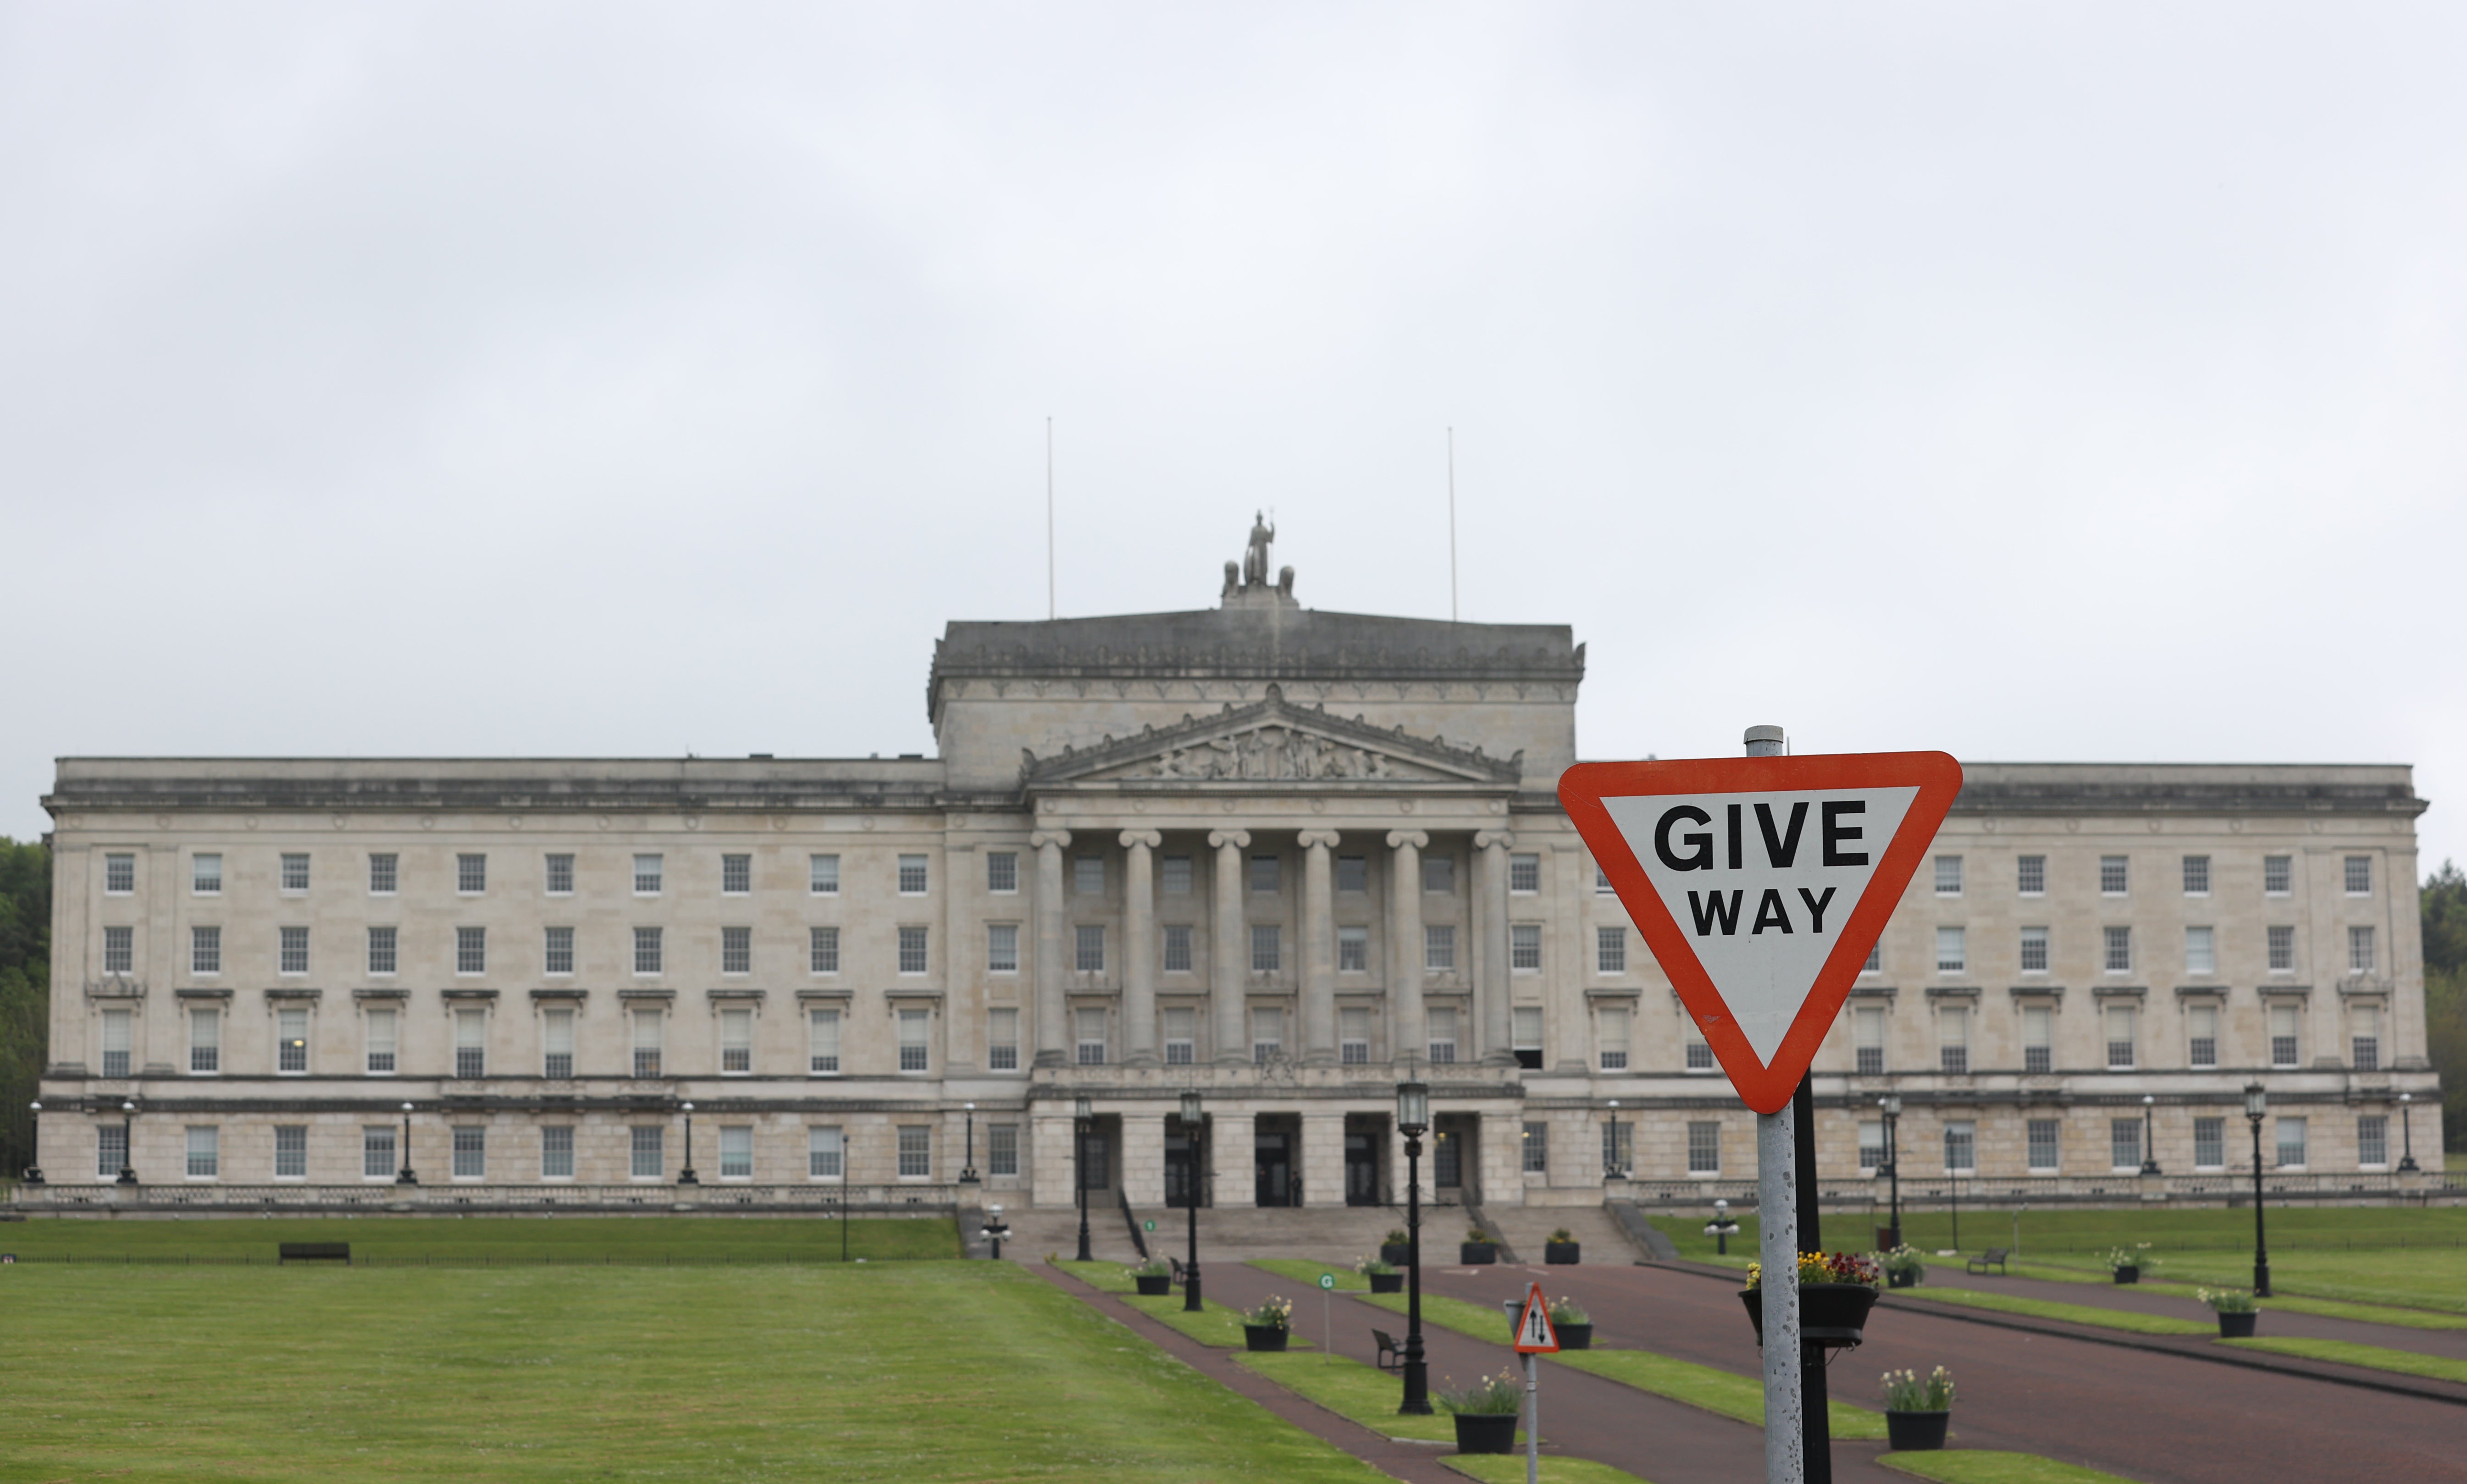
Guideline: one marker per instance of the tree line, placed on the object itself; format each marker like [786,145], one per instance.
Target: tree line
[25,992]
[2443,904]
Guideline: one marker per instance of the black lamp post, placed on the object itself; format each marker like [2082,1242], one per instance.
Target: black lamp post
[128,1143]
[1191,1125]
[1413,1120]
[2406,1132]
[2256,1103]
[1081,1118]
[968,1171]
[34,1171]
[2149,1136]
[406,1178]
[686,1176]
[1610,1142]
[1891,1104]
[995,1229]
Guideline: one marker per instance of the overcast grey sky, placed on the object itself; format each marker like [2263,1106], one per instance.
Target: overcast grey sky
[2075,382]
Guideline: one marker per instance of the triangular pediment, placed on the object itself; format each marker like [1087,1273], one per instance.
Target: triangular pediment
[1272,741]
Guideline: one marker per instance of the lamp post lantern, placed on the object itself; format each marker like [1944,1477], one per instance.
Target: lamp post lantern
[1081,1118]
[405,1177]
[2406,1133]
[686,1176]
[34,1121]
[1190,1126]
[2149,1136]
[1413,1121]
[1891,1104]
[968,1171]
[2257,1104]
[127,1144]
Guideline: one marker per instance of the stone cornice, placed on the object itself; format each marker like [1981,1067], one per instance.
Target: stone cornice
[1456,765]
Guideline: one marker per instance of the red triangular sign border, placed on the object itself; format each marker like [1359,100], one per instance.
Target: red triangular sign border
[1765,1087]
[1525,1318]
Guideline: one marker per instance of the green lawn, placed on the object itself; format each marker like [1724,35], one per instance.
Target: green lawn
[487,1240]
[1453,1314]
[1306,1272]
[2326,1308]
[2070,1313]
[1213,1325]
[1105,1277]
[1967,1466]
[1509,1468]
[1741,1398]
[2406,1362]
[911,1371]
[1350,1389]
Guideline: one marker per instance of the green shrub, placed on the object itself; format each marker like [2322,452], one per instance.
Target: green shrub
[1493,1396]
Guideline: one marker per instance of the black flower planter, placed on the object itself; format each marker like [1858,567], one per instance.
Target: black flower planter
[1902,1279]
[1829,1313]
[1575,1337]
[1561,1254]
[2238,1326]
[1386,1282]
[2128,1274]
[1907,1433]
[1472,1253]
[1486,1432]
[1264,1337]
[1154,1286]
[1396,1253]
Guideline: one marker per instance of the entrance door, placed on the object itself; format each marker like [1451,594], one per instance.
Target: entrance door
[1273,1163]
[1360,1170]
[1447,1160]
[1178,1182]
[1095,1162]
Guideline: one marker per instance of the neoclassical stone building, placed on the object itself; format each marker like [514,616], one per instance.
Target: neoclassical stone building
[1273,854]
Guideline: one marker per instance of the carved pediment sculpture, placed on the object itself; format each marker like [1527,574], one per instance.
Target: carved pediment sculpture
[1272,741]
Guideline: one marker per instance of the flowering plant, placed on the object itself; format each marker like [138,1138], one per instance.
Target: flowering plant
[1905,1258]
[1826,1268]
[1396,1238]
[1567,1311]
[1476,1234]
[1563,1235]
[1371,1264]
[1493,1396]
[2227,1300]
[2138,1255]
[1906,1391]
[1275,1313]
[1153,1268]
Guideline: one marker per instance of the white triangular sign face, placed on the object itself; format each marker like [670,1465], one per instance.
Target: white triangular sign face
[1534,1335]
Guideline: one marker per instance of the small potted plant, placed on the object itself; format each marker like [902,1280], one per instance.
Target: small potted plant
[1574,1326]
[1562,1250]
[2127,1262]
[1904,1267]
[1916,1409]
[1395,1248]
[1477,1248]
[1382,1274]
[1154,1278]
[1486,1413]
[1268,1326]
[2238,1312]
[1836,1289]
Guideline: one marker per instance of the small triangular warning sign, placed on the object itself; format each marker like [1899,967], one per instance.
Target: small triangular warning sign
[1534,1335]
[1760,883]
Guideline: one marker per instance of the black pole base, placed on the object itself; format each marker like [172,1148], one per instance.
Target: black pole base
[35,1175]
[2261,1279]
[1191,1303]
[126,1178]
[1418,1391]
[687,1178]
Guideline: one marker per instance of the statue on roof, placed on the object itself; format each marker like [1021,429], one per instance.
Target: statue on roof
[1255,564]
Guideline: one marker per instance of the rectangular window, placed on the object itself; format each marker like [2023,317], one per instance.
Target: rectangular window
[1267,1034]
[2201,952]
[1087,875]
[1002,948]
[558,879]
[382,874]
[556,951]
[295,870]
[912,950]
[205,1041]
[913,1047]
[1177,948]
[826,1155]
[381,950]
[2365,1036]
[556,1151]
[1181,1032]
[1948,875]
[1441,1023]
[1440,948]
[2210,1143]
[2031,875]
[204,951]
[1960,1148]
[1353,1037]
[1525,1035]
[1619,1148]
[736,1152]
[2360,876]
[2035,950]
[1705,1148]
[1264,875]
[649,956]
[470,1153]
[2197,876]
[377,1153]
[822,949]
[2282,950]
[111,1150]
[1696,1052]
[1602,883]
[1352,950]
[2119,1037]
[912,876]
[1176,871]
[2372,1140]
[291,1043]
[115,1048]
[823,1041]
[1875,963]
[1439,874]
[1612,1027]
[2117,957]
[2360,950]
[736,1042]
[119,950]
[916,1152]
[1525,946]
[1953,1039]
[1266,949]
[2283,1046]
[470,1043]
[2038,1039]
[1088,947]
[205,874]
[1089,1037]
[2202,1040]
[1001,1149]
[470,950]
[823,875]
[2044,1149]
[1610,949]
[119,874]
[293,953]
[1524,874]
[1002,1040]
[2277,874]
[1352,873]
[383,1028]
[1002,871]
[2125,1144]
[1537,1148]
[1867,1037]
[1952,949]
[648,1160]
[471,874]
[649,870]
[205,1152]
[2291,1143]
[736,875]
[736,950]
[1872,1144]
[556,1044]
[2114,877]
[647,1042]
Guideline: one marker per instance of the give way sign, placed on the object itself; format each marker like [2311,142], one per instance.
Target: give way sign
[1760,883]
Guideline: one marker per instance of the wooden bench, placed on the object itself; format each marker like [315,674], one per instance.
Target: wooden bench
[1392,1356]
[1994,1257]
[312,1252]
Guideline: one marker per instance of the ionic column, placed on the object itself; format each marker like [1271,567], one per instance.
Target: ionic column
[1408,1033]
[1051,1033]
[1491,990]
[1139,952]
[1318,948]
[1228,967]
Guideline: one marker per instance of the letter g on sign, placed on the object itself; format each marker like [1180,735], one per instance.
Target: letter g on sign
[1698,859]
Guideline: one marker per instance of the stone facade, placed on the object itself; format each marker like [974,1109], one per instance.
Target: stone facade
[1272,854]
